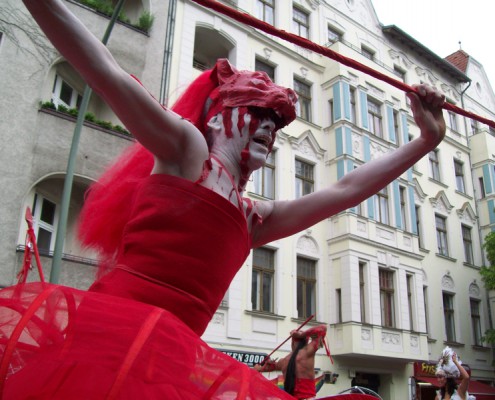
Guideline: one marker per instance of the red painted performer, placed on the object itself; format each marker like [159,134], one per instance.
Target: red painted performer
[172,223]
[298,367]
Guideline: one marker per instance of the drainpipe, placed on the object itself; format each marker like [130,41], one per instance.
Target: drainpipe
[69,176]
[167,54]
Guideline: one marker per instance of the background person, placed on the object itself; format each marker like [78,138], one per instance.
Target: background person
[449,369]
[298,367]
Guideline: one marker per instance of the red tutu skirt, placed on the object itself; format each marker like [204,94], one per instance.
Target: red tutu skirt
[57,342]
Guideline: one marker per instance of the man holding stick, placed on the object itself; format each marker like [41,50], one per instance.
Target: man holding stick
[298,367]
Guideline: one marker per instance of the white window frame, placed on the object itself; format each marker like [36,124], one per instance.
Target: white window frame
[300,180]
[262,271]
[75,97]
[38,223]
[262,6]
[442,235]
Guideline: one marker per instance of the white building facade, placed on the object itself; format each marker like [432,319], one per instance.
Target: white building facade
[395,279]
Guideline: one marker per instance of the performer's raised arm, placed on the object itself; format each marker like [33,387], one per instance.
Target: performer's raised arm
[179,147]
[284,218]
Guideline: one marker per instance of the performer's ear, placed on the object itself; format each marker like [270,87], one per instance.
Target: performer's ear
[224,71]
[215,123]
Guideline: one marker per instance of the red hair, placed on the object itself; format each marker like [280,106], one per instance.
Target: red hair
[109,201]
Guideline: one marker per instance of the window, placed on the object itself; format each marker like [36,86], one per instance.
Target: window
[64,94]
[418,226]
[375,118]
[482,187]
[44,214]
[387,298]
[410,302]
[263,66]
[306,287]
[474,126]
[441,225]
[264,178]
[368,53]
[459,176]
[300,22]
[263,278]
[401,74]
[448,314]
[265,10]
[381,206]
[362,291]
[338,304]
[304,179]
[403,212]
[396,126]
[434,164]
[453,121]
[468,244]
[209,46]
[330,104]
[353,105]
[303,105]
[476,321]
[333,35]
[425,303]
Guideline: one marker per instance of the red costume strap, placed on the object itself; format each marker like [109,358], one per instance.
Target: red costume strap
[134,350]
[307,44]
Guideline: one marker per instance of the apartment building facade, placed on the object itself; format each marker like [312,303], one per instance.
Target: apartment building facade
[395,279]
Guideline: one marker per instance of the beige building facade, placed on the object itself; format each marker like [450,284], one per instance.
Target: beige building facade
[395,279]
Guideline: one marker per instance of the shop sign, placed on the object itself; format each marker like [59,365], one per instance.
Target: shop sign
[248,358]
[428,369]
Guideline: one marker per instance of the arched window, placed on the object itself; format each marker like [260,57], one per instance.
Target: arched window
[209,46]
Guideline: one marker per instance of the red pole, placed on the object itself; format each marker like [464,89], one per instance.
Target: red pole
[325,51]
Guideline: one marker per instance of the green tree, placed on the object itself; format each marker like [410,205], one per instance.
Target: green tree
[488,276]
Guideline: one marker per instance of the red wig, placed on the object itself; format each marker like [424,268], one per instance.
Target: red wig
[108,202]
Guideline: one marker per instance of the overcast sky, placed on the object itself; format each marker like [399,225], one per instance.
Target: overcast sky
[441,24]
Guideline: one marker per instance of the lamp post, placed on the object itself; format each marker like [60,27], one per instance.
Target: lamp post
[69,177]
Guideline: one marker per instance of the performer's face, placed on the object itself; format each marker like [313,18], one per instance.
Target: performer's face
[247,136]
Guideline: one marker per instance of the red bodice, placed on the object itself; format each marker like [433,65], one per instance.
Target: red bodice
[180,251]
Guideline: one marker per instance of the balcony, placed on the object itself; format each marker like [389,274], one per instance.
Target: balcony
[363,341]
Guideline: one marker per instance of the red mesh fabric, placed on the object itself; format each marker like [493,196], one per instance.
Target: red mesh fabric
[82,345]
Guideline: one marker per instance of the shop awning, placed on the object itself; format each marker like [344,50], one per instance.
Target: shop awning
[481,390]
[476,388]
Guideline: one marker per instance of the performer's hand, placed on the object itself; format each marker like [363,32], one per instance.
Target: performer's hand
[297,334]
[266,366]
[427,110]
